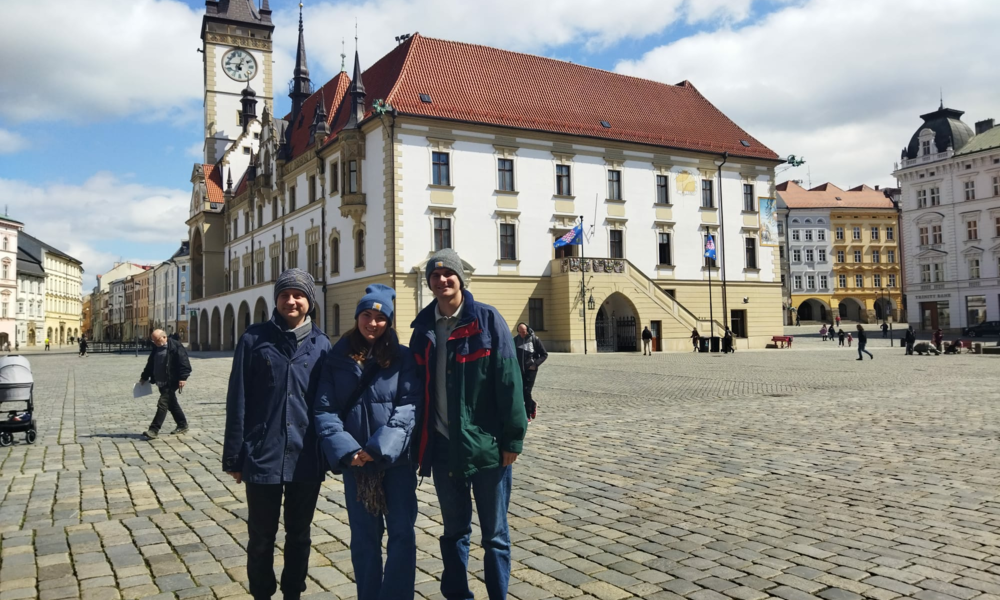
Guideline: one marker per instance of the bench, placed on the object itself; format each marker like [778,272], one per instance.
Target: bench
[782,339]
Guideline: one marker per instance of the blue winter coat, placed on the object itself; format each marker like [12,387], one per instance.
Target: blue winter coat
[381,422]
[270,436]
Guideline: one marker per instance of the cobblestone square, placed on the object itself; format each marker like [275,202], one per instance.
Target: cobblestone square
[784,473]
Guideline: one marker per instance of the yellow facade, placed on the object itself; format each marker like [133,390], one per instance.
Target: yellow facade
[63,304]
[871,235]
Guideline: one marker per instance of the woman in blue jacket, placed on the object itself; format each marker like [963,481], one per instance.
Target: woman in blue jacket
[270,442]
[365,413]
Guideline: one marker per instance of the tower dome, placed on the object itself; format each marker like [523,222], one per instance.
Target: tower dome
[949,132]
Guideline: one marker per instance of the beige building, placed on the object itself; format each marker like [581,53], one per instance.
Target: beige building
[140,306]
[63,291]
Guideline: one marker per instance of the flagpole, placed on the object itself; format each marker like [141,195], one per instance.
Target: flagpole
[711,314]
[583,287]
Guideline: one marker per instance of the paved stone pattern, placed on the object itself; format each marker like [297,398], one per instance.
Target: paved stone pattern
[785,473]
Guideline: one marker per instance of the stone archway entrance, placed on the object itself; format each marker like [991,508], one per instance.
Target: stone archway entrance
[242,319]
[616,325]
[260,313]
[814,310]
[852,310]
[884,309]
[229,328]
[216,334]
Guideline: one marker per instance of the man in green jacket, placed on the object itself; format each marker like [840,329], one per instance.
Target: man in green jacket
[473,423]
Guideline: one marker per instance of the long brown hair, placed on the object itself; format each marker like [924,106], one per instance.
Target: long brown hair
[384,351]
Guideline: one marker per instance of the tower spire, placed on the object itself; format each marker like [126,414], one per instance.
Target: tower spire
[300,87]
[343,57]
[357,90]
[319,130]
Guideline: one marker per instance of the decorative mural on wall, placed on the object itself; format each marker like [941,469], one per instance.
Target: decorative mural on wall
[687,184]
[768,221]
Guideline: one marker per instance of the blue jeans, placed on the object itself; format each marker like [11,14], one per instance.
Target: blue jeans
[861,348]
[400,485]
[491,489]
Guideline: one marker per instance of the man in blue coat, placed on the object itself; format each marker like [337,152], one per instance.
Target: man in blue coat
[270,442]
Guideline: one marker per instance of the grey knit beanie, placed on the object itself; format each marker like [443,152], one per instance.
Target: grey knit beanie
[296,279]
[445,259]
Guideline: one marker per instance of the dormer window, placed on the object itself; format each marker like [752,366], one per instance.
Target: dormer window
[925,147]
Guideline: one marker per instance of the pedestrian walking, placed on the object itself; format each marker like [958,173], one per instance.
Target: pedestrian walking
[366,410]
[270,442]
[647,341]
[938,339]
[695,338]
[798,320]
[909,338]
[840,336]
[169,368]
[823,332]
[885,330]
[850,339]
[862,342]
[530,355]
[46,344]
[473,423]
[837,320]
[727,342]
[83,346]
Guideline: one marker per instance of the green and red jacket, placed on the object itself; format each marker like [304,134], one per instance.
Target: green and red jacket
[485,394]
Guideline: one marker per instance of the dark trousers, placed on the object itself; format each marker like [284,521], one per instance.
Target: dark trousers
[168,402]
[909,348]
[264,508]
[528,379]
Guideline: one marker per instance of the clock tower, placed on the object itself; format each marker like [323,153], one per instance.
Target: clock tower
[236,42]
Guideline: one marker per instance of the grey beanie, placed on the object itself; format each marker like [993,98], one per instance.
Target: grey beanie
[296,279]
[445,258]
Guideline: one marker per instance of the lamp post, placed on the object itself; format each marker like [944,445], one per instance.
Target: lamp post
[885,310]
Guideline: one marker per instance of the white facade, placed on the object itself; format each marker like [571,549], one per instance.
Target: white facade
[810,252]
[9,230]
[30,308]
[162,282]
[116,305]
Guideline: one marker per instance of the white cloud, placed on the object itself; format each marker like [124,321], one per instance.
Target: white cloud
[842,82]
[99,59]
[11,142]
[195,150]
[104,209]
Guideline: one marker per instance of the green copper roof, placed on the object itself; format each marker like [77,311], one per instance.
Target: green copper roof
[983,141]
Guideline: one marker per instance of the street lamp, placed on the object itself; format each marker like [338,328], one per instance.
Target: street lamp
[885,310]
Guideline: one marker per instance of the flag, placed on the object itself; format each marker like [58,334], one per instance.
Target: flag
[573,238]
[709,247]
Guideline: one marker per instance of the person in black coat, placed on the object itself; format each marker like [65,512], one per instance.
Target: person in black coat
[647,341]
[862,342]
[169,368]
[530,354]
[909,338]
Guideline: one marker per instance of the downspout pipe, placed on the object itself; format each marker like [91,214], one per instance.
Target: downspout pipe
[722,244]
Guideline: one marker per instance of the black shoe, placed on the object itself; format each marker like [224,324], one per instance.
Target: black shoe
[180,429]
[859,359]
[150,434]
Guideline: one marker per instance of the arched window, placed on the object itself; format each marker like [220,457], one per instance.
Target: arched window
[334,256]
[359,249]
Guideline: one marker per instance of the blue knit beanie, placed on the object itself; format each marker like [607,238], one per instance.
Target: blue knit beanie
[296,279]
[377,297]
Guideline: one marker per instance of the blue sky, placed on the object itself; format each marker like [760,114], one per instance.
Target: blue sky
[97,130]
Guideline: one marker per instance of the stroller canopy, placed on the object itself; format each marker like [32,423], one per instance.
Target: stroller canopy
[15,372]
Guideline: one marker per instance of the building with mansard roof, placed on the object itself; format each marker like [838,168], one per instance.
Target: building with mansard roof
[495,154]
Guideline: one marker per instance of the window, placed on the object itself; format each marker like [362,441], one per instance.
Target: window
[260,269]
[183,286]
[822,254]
[970,189]
[996,185]
[234,284]
[809,235]
[335,256]
[359,249]
[936,234]
[810,256]
[505,174]
[664,249]
[925,273]
[782,281]
[842,281]
[20,303]
[781,252]
[614,184]
[795,235]
[859,281]
[247,273]
[707,198]
[336,319]
[275,267]
[617,239]
[352,177]
[971,231]
[840,256]
[821,235]
[973,268]
[857,233]
[810,282]
[748,204]
[890,233]
[440,168]
[823,282]
[890,256]
[536,314]
[921,198]
[996,221]
[840,233]
[924,237]
[938,269]
[892,280]
[751,252]
[442,233]
[925,147]
[877,280]
[781,228]
[312,190]
[335,176]
[274,210]
[857,256]
[291,199]
[293,259]
[975,308]
[874,233]
[6,243]
[663,192]
[876,256]
[234,230]
[508,246]
[798,282]
[563,187]
[260,216]
[935,196]
[796,255]
[312,255]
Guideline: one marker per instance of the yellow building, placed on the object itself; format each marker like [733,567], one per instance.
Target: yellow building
[63,291]
[868,285]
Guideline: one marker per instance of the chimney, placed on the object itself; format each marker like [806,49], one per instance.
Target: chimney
[876,187]
[984,126]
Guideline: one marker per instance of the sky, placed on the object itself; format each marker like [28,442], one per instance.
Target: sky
[100,127]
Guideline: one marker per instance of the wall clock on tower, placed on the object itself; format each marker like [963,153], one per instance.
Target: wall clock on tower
[239,65]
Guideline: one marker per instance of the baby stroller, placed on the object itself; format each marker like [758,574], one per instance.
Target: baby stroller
[17,385]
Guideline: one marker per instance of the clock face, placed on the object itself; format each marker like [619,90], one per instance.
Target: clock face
[239,65]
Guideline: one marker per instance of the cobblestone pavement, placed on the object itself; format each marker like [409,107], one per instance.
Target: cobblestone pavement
[784,473]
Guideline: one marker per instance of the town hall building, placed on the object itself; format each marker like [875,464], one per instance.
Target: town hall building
[493,153]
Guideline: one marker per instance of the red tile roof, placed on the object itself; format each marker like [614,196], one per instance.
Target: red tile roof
[828,195]
[479,84]
[213,183]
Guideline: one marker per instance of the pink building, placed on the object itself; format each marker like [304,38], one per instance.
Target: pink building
[9,228]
